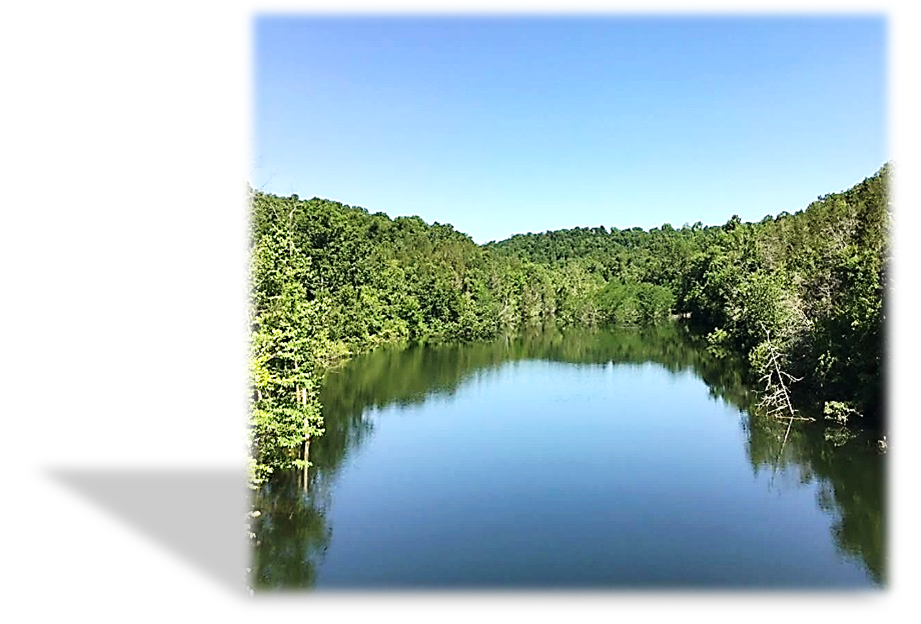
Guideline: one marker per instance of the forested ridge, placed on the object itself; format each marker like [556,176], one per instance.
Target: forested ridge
[813,281]
[330,280]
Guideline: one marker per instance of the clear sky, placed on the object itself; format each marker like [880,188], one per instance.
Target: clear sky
[504,125]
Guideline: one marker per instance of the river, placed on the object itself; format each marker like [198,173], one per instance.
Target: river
[579,459]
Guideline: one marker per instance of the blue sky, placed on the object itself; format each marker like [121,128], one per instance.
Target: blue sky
[503,125]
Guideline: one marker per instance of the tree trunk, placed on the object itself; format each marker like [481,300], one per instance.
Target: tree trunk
[306,455]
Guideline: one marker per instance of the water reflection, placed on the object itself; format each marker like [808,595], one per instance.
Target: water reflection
[292,530]
[291,535]
[850,478]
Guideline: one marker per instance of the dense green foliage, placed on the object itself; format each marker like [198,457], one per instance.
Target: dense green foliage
[383,280]
[811,282]
[330,280]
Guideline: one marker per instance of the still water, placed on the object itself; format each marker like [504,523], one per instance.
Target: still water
[605,459]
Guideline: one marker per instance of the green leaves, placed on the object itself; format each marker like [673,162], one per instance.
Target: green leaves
[636,304]
[762,304]
[289,342]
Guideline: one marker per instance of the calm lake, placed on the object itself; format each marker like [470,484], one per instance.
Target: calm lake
[579,459]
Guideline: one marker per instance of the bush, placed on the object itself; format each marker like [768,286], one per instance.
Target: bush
[635,304]
[655,302]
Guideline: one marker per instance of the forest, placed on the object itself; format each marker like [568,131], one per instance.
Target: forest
[796,297]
